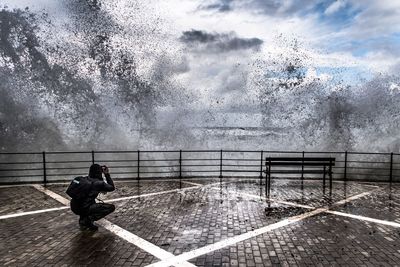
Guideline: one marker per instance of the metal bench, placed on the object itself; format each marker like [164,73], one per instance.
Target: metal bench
[309,165]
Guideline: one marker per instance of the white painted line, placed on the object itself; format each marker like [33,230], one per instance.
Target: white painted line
[160,193]
[139,242]
[149,194]
[363,218]
[271,199]
[233,240]
[52,194]
[66,201]
[187,182]
[120,232]
[293,204]
[13,215]
[344,201]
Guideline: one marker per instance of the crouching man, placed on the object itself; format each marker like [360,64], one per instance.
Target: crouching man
[84,191]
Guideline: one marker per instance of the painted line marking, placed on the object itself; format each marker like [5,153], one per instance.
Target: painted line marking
[122,233]
[52,194]
[272,200]
[150,194]
[140,242]
[191,183]
[233,240]
[162,192]
[13,215]
[363,218]
[44,190]
[347,200]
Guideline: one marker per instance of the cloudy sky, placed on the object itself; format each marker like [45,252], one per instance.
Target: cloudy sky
[222,56]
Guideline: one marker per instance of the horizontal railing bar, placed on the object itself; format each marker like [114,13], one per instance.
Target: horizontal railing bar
[202,165]
[373,174]
[158,160]
[367,168]
[201,171]
[69,161]
[136,151]
[156,166]
[147,172]
[240,165]
[18,170]
[184,159]
[23,162]
[258,160]
[21,176]
[364,161]
[68,152]
[20,153]
[116,160]
[67,168]
[241,171]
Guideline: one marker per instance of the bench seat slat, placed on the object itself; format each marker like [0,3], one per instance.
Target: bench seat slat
[299,159]
[299,171]
[279,163]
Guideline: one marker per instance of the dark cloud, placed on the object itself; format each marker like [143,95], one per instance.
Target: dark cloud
[219,42]
[220,6]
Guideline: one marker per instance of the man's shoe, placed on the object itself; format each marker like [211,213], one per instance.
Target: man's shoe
[92,227]
[86,224]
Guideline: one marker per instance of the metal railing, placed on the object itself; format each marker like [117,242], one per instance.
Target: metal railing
[21,167]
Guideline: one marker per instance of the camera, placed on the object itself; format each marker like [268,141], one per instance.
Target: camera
[104,168]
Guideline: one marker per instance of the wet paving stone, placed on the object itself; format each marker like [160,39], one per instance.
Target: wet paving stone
[131,188]
[180,222]
[383,204]
[311,193]
[53,239]
[308,192]
[322,240]
[24,198]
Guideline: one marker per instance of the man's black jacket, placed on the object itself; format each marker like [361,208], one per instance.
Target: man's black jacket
[81,206]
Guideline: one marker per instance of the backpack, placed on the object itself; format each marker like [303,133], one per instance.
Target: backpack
[79,187]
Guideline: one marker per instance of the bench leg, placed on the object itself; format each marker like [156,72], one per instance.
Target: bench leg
[330,180]
[266,182]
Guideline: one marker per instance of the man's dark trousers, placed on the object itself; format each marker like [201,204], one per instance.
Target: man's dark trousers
[98,211]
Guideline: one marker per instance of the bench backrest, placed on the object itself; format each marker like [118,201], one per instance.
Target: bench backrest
[300,161]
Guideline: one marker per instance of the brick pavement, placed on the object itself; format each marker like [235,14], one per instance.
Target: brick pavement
[179,222]
[24,198]
[53,239]
[383,204]
[124,189]
[322,240]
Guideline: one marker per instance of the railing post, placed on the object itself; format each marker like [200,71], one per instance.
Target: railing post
[180,169]
[220,165]
[44,168]
[261,166]
[302,167]
[92,157]
[138,165]
[391,168]
[269,177]
[345,166]
[266,176]
[330,176]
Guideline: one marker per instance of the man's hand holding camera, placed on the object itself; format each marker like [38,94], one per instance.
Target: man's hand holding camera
[105,169]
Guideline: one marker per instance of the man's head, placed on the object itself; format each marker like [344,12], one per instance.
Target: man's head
[95,171]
